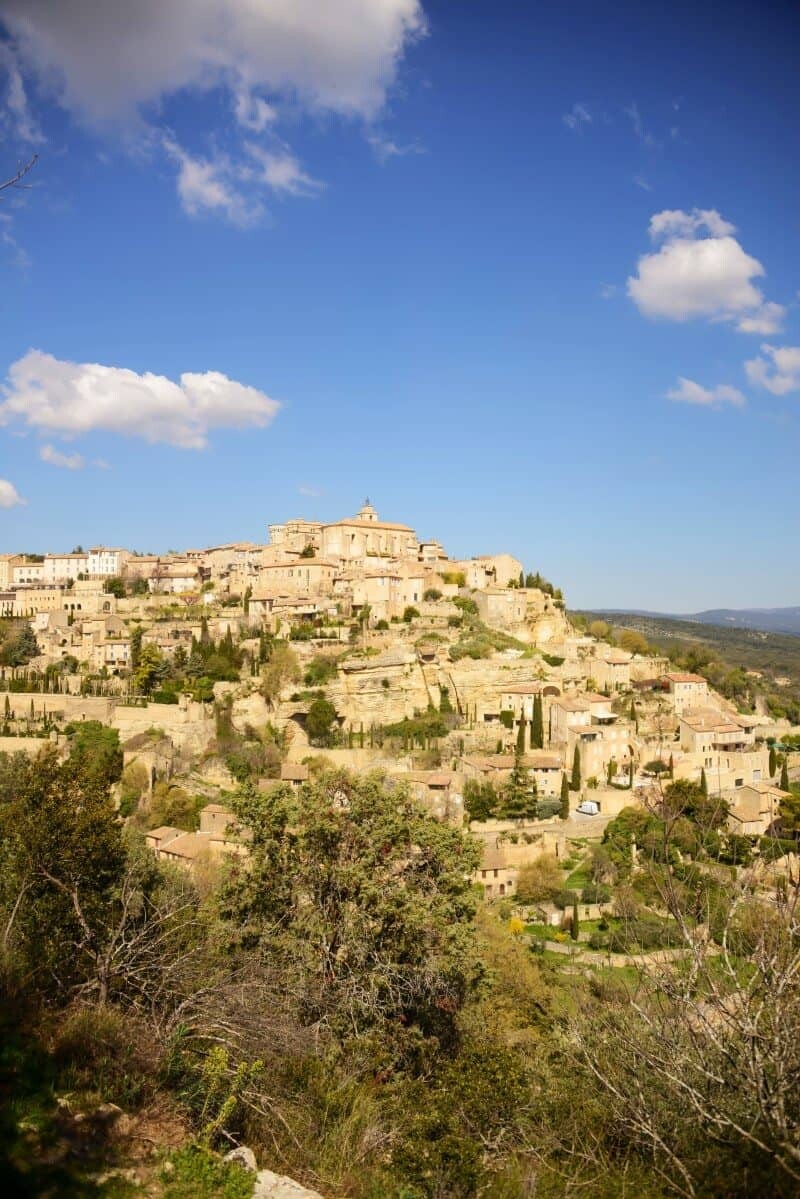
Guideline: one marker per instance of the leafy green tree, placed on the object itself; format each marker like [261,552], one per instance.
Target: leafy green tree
[363,898]
[539,880]
[685,798]
[280,669]
[151,670]
[136,647]
[96,751]
[480,799]
[564,797]
[18,645]
[575,780]
[537,731]
[518,796]
[62,861]
[320,722]
[115,586]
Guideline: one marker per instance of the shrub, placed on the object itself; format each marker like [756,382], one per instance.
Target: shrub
[596,893]
[431,595]
[410,613]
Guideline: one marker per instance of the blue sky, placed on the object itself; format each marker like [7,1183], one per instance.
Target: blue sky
[453,256]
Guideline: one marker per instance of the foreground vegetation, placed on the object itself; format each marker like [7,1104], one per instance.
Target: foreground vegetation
[341,1001]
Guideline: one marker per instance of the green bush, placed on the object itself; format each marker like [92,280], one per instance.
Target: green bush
[197,1173]
[596,893]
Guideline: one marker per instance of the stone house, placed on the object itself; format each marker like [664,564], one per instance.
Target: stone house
[611,669]
[686,690]
[755,809]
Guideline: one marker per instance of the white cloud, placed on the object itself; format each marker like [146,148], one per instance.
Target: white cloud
[693,276]
[70,398]
[206,185]
[49,453]
[307,490]
[767,319]
[641,182]
[689,392]
[106,60]
[113,65]
[252,112]
[644,137]
[676,223]
[9,496]
[578,115]
[385,148]
[778,370]
[281,171]
[17,117]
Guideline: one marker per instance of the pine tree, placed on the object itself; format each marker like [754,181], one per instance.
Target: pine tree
[519,794]
[773,762]
[575,781]
[537,730]
[574,927]
[564,797]
[784,783]
[704,782]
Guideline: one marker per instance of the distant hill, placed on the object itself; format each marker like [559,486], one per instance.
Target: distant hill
[767,620]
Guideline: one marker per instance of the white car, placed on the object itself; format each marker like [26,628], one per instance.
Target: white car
[588,808]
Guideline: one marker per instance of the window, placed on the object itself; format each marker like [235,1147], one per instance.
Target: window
[738,782]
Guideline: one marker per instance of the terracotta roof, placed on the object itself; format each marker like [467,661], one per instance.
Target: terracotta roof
[522,689]
[684,678]
[368,524]
[709,721]
[164,832]
[431,778]
[189,845]
[294,773]
[535,760]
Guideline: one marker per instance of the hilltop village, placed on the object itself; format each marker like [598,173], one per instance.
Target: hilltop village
[357,644]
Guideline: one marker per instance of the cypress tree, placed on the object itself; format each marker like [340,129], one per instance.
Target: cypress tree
[575,781]
[521,737]
[564,797]
[784,783]
[574,928]
[8,708]
[671,767]
[537,731]
[704,782]
[522,578]
[773,762]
